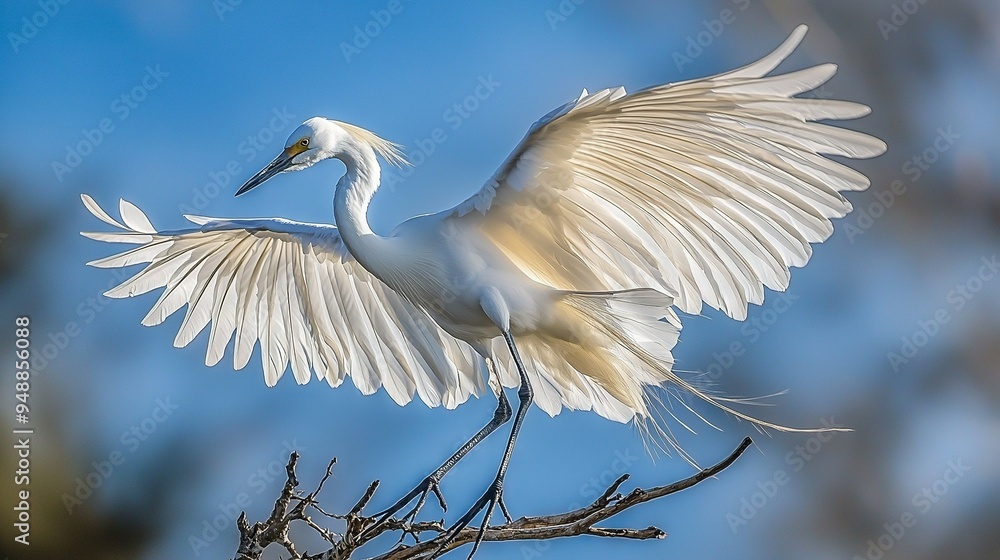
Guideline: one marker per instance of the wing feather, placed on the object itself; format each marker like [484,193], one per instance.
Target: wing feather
[296,290]
[708,190]
[134,218]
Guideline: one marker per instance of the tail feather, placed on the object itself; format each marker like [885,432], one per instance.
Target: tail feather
[614,356]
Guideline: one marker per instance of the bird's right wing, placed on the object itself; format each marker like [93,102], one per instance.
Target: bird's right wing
[706,190]
[295,288]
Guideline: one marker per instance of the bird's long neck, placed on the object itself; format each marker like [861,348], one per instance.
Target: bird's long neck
[350,207]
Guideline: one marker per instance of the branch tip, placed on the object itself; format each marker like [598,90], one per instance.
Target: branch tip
[258,536]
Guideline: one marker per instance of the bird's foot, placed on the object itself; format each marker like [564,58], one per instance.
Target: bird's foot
[429,485]
[490,499]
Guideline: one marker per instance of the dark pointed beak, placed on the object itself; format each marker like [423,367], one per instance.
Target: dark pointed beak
[280,163]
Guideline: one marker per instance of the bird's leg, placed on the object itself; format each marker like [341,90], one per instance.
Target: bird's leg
[430,483]
[494,494]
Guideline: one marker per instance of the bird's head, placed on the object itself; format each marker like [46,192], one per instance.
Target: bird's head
[317,139]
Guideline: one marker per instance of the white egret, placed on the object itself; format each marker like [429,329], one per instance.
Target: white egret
[561,276]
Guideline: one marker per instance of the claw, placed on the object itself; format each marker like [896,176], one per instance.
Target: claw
[503,509]
[488,501]
[440,497]
[430,484]
[426,486]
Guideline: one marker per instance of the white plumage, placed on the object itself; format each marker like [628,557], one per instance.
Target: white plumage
[296,289]
[613,209]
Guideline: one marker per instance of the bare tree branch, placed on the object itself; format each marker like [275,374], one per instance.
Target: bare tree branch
[291,506]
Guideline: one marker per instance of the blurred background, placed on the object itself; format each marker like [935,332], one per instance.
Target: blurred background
[140,451]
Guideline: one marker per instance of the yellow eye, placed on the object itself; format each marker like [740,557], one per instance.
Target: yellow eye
[304,142]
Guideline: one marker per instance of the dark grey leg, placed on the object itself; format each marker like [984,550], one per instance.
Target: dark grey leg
[494,494]
[430,483]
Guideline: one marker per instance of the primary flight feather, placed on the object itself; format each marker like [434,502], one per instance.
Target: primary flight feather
[560,275]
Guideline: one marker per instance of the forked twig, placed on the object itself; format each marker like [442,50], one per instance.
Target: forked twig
[291,506]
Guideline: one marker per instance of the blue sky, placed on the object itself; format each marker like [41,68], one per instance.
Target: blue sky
[173,104]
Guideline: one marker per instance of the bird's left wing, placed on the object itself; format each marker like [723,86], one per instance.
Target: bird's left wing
[295,288]
[706,190]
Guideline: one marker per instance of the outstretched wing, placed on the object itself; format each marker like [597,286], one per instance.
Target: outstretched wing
[707,190]
[295,288]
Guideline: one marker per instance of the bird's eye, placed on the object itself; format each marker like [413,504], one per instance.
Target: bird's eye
[304,142]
